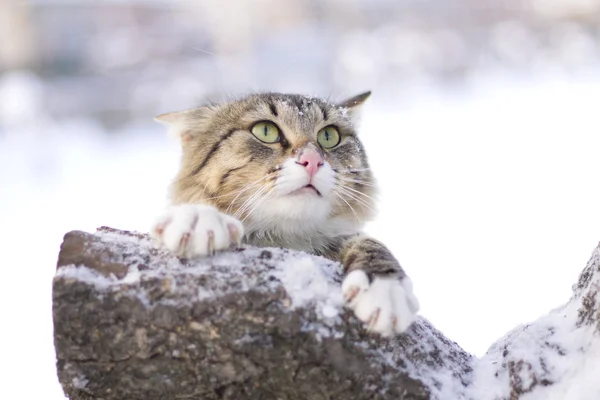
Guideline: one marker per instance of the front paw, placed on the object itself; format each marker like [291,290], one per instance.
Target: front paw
[195,230]
[386,305]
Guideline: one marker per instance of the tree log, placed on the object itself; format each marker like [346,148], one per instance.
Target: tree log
[132,321]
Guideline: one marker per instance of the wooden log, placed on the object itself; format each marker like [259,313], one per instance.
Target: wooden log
[134,322]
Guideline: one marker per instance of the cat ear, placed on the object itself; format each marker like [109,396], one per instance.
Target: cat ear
[170,118]
[180,122]
[355,102]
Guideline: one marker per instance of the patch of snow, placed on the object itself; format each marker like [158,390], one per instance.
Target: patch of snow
[344,112]
[88,276]
[80,382]
[557,356]
[306,283]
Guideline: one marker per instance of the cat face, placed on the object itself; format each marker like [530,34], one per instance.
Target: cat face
[275,161]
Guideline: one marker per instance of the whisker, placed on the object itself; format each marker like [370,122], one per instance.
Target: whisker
[249,202]
[358,181]
[337,202]
[354,197]
[351,208]
[246,188]
[230,206]
[204,191]
[245,202]
[257,204]
[361,202]
[358,192]
[353,170]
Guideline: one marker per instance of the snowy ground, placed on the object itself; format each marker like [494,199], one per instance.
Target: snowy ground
[489,199]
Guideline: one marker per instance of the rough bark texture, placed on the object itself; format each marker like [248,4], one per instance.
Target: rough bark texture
[173,330]
[133,322]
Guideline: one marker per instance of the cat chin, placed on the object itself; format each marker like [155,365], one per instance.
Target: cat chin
[301,205]
[301,222]
[308,190]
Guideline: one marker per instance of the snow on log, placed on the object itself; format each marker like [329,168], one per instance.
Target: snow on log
[556,357]
[134,322]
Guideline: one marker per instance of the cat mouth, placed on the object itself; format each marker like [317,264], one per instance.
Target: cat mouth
[307,189]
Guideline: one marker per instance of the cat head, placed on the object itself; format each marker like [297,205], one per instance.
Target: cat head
[275,161]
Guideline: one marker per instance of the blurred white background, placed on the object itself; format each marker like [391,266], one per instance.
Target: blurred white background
[483,131]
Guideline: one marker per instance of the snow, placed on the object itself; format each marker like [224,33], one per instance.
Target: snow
[90,276]
[79,382]
[306,283]
[561,348]
[442,381]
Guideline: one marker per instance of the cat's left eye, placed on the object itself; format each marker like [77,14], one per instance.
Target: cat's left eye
[328,137]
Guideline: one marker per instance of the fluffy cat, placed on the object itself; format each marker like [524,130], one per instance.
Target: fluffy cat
[285,170]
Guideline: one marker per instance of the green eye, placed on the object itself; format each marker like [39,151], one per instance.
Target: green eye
[266,132]
[328,137]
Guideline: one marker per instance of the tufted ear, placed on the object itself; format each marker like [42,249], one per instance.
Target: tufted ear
[180,123]
[355,101]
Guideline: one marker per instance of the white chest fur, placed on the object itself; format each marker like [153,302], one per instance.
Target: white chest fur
[308,234]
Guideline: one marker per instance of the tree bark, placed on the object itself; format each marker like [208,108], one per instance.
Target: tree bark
[134,322]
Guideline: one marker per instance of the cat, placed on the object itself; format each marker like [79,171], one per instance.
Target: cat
[285,170]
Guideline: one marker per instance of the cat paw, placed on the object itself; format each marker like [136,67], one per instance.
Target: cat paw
[196,230]
[387,305]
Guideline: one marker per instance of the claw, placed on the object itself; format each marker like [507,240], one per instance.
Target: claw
[234,235]
[184,242]
[193,230]
[351,294]
[211,243]
[373,320]
[160,228]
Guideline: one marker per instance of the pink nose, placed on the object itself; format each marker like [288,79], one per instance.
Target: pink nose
[311,159]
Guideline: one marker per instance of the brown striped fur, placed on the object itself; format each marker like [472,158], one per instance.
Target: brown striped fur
[221,160]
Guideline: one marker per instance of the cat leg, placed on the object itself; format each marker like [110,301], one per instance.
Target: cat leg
[196,230]
[376,287]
